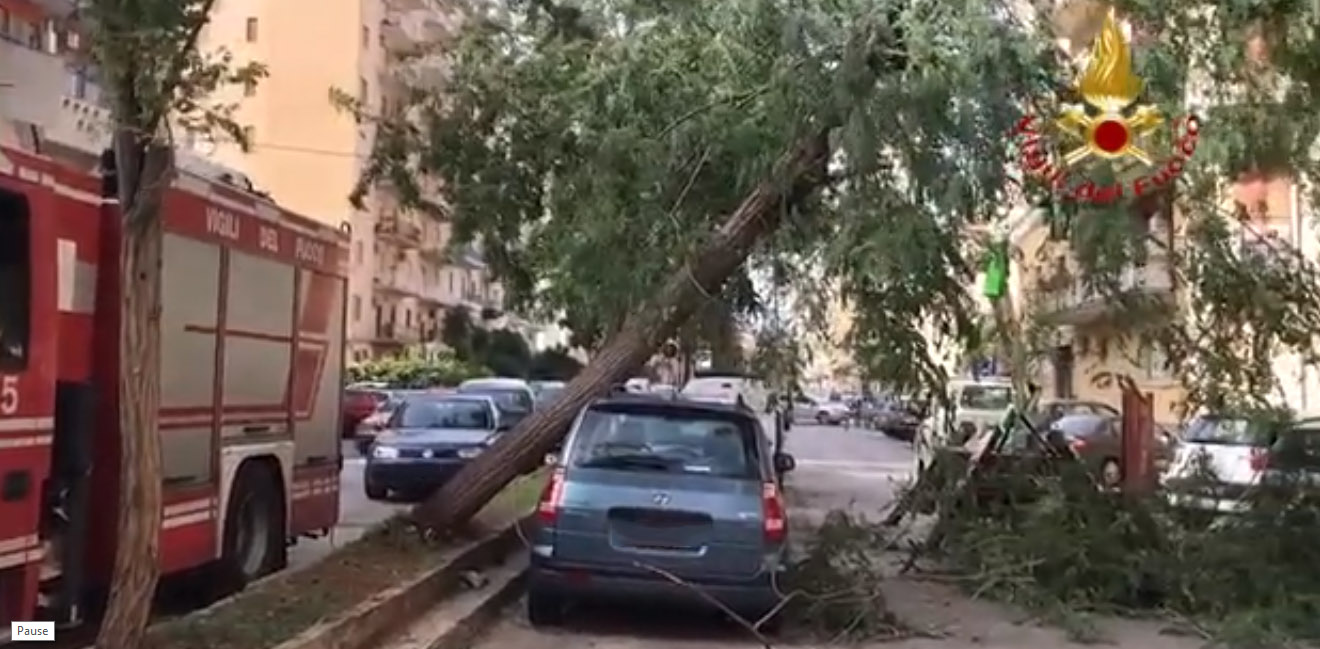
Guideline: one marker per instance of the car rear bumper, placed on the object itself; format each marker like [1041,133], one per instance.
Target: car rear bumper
[411,475]
[754,596]
[1207,504]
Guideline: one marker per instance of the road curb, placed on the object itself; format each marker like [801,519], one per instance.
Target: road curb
[467,628]
[372,621]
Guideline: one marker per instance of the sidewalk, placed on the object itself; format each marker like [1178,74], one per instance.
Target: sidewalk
[979,624]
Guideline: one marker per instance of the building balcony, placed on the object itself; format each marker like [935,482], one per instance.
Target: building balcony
[394,281]
[484,304]
[394,333]
[400,230]
[1078,304]
[45,91]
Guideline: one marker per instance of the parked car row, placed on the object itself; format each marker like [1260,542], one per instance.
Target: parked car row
[649,483]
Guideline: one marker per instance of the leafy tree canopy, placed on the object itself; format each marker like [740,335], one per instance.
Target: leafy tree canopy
[593,149]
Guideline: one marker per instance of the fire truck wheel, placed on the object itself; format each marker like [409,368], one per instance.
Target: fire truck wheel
[254,527]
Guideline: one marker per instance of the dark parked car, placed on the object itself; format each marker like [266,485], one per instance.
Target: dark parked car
[650,485]
[379,419]
[898,419]
[428,439]
[514,397]
[1097,440]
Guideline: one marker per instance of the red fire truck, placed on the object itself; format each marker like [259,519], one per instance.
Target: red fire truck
[252,330]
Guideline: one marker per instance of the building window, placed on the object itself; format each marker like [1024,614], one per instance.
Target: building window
[450,273]
[250,136]
[251,30]
[249,87]
[50,41]
[357,251]
[79,89]
[366,36]
[407,318]
[1155,363]
[357,308]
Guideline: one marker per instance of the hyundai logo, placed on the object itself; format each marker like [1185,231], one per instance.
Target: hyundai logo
[660,499]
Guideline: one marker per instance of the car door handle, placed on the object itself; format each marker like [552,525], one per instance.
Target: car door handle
[250,430]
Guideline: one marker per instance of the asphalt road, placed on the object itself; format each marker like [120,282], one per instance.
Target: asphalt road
[836,468]
[356,514]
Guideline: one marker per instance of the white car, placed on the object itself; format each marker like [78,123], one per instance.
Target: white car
[1220,461]
[821,411]
[978,406]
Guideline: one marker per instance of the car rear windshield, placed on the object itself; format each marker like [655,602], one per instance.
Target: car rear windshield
[443,413]
[1079,425]
[981,397]
[508,399]
[1228,432]
[694,441]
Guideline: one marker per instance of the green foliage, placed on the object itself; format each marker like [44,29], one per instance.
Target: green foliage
[554,364]
[1051,541]
[440,370]
[506,353]
[591,166]
[778,358]
[146,52]
[834,589]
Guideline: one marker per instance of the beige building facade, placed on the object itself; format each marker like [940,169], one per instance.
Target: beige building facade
[308,153]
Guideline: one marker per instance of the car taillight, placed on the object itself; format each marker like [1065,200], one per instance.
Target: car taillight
[772,513]
[1260,459]
[548,508]
[1077,446]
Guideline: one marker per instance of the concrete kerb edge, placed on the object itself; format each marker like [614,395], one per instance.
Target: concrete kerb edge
[472,625]
[392,609]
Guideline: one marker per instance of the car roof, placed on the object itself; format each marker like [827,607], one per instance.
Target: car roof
[708,374]
[678,404]
[496,382]
[447,396]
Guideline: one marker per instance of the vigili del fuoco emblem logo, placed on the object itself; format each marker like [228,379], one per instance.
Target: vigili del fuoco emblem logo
[1110,125]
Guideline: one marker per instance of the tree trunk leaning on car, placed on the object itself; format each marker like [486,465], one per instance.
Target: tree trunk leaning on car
[797,174]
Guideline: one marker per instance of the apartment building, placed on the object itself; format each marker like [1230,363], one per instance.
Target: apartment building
[49,103]
[308,153]
[1087,338]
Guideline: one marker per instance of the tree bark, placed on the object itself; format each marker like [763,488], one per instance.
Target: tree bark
[797,174]
[143,170]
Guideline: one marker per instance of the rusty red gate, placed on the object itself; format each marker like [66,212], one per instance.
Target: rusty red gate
[1138,461]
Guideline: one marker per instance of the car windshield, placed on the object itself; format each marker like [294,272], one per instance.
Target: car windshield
[984,397]
[668,440]
[510,400]
[549,393]
[443,413]
[1228,432]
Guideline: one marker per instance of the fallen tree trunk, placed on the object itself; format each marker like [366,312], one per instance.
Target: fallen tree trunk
[796,175]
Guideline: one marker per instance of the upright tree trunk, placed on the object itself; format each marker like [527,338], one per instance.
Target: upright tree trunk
[144,170]
[799,172]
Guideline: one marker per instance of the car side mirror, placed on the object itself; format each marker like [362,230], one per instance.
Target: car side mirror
[784,463]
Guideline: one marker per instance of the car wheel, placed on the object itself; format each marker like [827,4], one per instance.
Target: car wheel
[1111,474]
[254,542]
[543,608]
[374,491]
[822,418]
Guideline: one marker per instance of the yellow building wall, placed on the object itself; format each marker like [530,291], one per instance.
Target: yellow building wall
[305,152]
